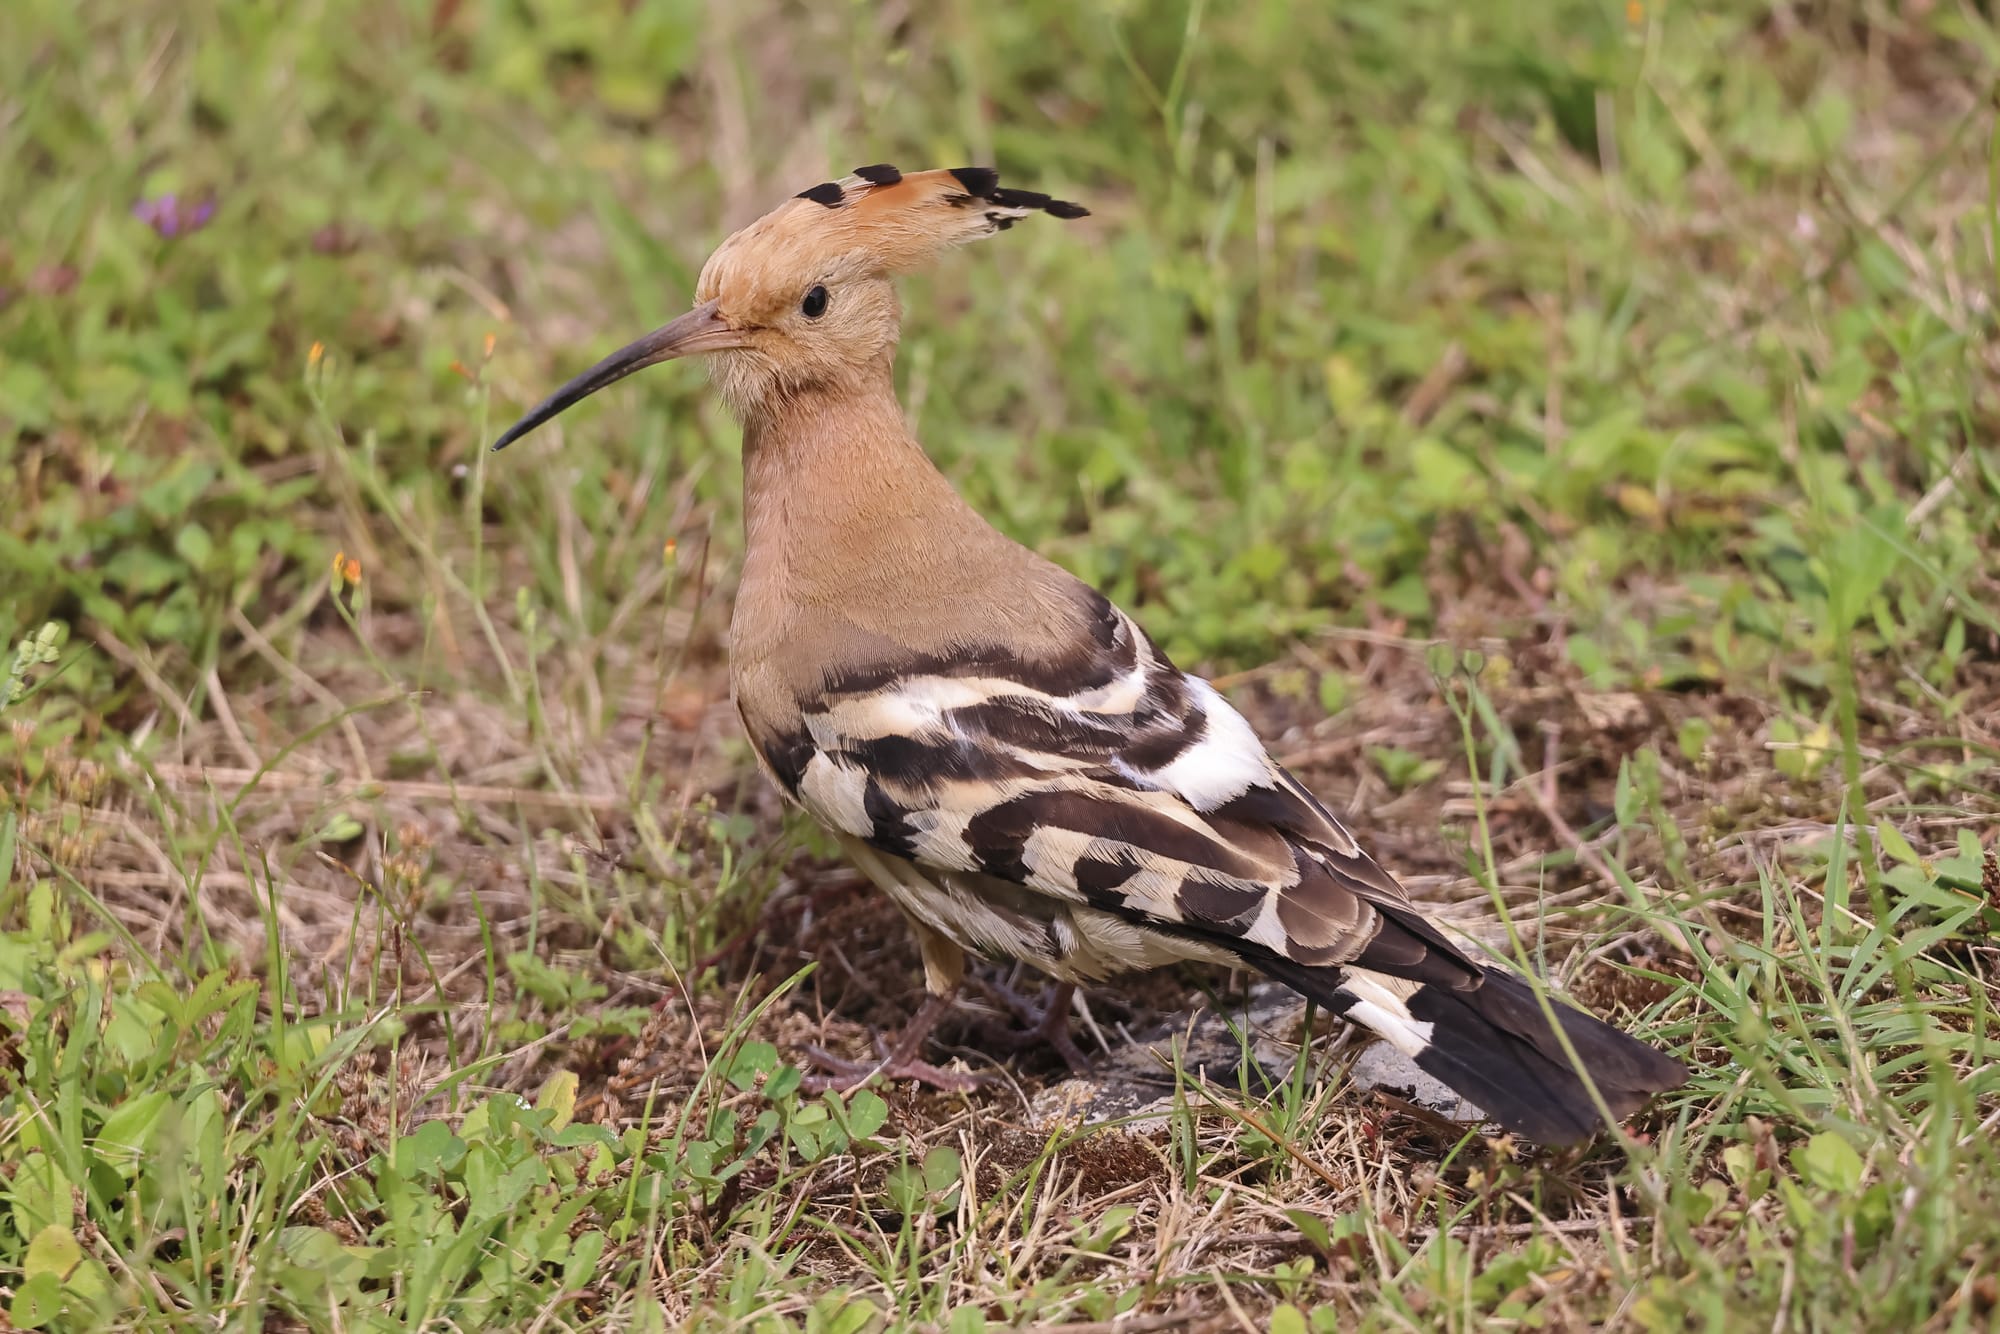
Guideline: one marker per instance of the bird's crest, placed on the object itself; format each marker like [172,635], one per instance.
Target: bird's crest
[904,221]
[883,220]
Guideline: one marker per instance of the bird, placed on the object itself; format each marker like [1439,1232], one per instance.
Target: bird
[1004,752]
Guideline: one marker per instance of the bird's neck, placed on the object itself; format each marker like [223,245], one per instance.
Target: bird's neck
[844,510]
[836,483]
[858,554]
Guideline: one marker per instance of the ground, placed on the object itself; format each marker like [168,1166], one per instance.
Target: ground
[1567,433]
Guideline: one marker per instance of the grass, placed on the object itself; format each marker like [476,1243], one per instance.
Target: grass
[1567,432]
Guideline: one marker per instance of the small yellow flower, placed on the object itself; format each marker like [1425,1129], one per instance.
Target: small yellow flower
[667,551]
[346,571]
[1635,12]
[458,368]
[315,354]
[488,356]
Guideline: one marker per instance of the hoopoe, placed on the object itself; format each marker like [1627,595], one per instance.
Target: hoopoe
[1001,750]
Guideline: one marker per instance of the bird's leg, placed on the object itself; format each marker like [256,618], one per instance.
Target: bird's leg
[944,971]
[899,1060]
[1047,1023]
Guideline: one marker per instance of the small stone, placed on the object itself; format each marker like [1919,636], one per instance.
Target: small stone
[1381,1066]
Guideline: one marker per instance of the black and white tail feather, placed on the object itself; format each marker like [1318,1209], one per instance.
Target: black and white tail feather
[1492,1044]
[1096,810]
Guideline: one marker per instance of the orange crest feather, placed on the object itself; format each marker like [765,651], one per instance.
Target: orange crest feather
[883,220]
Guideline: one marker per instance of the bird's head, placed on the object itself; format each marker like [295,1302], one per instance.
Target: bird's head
[801,299]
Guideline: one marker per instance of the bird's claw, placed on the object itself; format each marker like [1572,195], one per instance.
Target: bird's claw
[840,1075]
[1045,1023]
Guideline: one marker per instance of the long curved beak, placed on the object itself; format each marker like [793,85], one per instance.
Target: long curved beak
[700,330]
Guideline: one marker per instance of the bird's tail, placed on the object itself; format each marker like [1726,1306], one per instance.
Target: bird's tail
[1490,1042]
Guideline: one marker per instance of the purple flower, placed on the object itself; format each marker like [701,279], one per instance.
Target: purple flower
[168,216]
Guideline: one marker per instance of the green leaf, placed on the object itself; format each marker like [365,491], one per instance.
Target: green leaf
[204,1130]
[134,1030]
[1333,692]
[321,1254]
[53,1251]
[1288,1319]
[501,1195]
[339,828]
[1624,802]
[943,1168]
[1893,843]
[193,545]
[141,571]
[751,1060]
[303,1044]
[866,1113]
[557,988]
[476,1125]
[1858,562]
[846,1315]
[584,1253]
[903,1187]
[1312,1227]
[809,1141]
[429,1151]
[36,1302]
[1404,769]
[130,1130]
[558,1096]
[40,1194]
[1106,1231]
[1740,1161]
[1800,754]
[1441,478]
[1830,1162]
[580,1133]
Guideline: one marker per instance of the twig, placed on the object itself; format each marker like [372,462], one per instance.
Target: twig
[1425,399]
[105,640]
[1542,793]
[227,717]
[1181,1317]
[291,671]
[1564,1227]
[285,783]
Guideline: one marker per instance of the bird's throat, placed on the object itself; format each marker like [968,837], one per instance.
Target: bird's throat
[842,508]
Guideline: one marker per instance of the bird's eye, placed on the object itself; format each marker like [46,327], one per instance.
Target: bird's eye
[814,305]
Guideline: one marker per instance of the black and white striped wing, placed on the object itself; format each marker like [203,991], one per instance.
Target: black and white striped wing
[1109,779]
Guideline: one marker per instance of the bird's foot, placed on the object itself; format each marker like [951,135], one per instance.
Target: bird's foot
[900,1061]
[1046,1023]
[839,1075]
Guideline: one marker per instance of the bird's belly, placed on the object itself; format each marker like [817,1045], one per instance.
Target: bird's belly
[1095,946]
[997,919]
